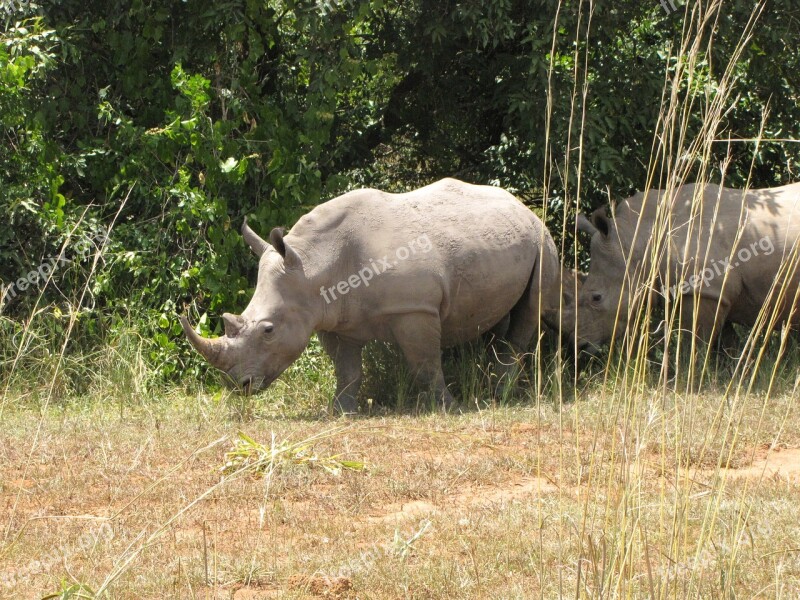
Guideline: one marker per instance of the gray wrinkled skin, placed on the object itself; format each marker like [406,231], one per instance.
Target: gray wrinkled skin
[474,257]
[721,258]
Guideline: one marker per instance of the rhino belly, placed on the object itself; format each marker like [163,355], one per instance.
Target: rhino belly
[764,298]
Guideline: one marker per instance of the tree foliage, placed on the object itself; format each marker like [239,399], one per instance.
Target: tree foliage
[170,121]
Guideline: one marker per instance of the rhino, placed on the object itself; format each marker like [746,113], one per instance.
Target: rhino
[427,269]
[718,254]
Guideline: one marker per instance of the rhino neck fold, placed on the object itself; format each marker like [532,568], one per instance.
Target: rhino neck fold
[324,307]
[332,312]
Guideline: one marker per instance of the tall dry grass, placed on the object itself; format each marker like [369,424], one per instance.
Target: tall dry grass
[631,383]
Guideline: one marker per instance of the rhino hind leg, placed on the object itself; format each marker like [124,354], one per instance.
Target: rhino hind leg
[347,365]
[526,316]
[500,330]
[729,344]
[420,339]
[524,324]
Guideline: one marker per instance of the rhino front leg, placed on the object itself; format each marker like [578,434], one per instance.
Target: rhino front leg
[346,357]
[420,339]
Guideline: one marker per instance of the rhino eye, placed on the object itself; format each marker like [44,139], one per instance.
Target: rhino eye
[597,297]
[267,328]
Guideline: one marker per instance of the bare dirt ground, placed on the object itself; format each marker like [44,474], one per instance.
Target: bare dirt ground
[771,464]
[511,503]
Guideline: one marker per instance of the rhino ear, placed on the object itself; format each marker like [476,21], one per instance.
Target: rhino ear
[601,221]
[290,258]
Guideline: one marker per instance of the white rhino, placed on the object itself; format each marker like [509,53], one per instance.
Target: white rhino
[434,267]
[721,253]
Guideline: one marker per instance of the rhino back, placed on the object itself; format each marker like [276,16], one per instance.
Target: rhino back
[753,235]
[767,255]
[462,251]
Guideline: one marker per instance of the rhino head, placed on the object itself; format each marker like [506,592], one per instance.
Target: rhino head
[276,326]
[602,303]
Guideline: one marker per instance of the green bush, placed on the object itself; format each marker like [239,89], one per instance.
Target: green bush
[138,135]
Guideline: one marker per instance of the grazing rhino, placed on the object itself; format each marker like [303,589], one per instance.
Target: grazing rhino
[721,254]
[434,267]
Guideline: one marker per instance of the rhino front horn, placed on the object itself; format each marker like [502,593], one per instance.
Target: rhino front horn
[257,245]
[210,349]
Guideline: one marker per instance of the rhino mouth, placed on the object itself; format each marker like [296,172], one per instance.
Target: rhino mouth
[250,385]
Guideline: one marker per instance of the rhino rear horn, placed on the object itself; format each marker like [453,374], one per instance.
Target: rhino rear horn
[233,324]
[549,317]
[257,245]
[560,321]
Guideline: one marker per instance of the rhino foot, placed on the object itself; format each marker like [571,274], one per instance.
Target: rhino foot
[446,401]
[345,405]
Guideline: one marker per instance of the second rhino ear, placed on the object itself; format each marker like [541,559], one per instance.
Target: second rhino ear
[585,225]
[290,257]
[601,221]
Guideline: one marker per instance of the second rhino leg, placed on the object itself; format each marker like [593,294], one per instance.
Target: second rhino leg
[703,317]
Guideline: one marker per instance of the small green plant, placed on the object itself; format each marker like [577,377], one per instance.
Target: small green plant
[248,454]
[69,592]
